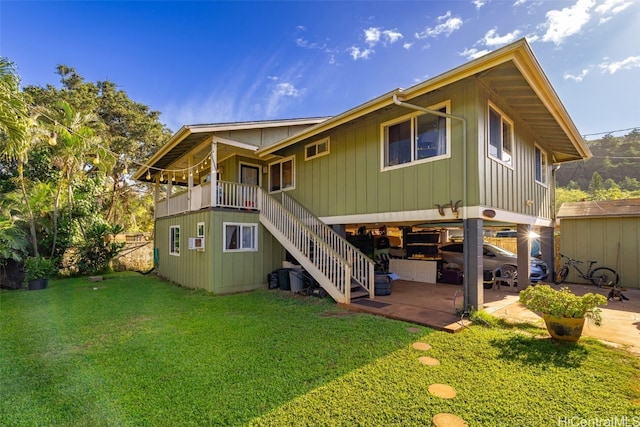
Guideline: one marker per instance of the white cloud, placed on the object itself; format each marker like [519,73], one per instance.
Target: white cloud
[610,8]
[577,78]
[519,3]
[281,92]
[567,22]
[625,64]
[478,3]
[493,39]
[407,45]
[392,36]
[446,25]
[474,53]
[372,36]
[356,53]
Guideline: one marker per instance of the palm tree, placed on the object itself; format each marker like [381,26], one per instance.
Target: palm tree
[14,131]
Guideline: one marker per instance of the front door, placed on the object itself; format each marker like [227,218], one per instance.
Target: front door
[249,174]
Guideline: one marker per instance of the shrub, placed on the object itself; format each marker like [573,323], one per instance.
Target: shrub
[563,303]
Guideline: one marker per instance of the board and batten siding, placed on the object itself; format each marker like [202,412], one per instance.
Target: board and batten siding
[509,187]
[213,269]
[349,180]
[613,242]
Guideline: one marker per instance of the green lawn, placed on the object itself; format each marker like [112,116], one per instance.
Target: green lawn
[136,351]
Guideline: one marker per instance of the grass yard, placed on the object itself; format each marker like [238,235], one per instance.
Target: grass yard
[136,351]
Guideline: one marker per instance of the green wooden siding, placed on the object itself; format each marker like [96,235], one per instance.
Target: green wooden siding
[212,269]
[349,180]
[505,187]
[613,242]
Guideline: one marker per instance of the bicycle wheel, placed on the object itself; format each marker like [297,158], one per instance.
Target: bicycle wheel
[561,275]
[604,276]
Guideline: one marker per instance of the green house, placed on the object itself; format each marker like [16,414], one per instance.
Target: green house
[472,148]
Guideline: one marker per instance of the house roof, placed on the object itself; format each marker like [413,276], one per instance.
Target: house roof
[191,137]
[603,208]
[514,74]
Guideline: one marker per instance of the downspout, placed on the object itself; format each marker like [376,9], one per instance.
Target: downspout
[464,173]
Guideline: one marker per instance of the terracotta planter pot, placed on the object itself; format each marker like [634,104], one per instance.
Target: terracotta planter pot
[564,328]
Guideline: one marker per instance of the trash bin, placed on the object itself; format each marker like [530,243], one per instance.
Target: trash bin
[283,279]
[382,284]
[296,280]
[272,280]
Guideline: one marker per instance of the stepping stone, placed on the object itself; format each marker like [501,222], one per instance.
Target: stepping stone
[421,346]
[442,390]
[429,361]
[448,420]
[413,330]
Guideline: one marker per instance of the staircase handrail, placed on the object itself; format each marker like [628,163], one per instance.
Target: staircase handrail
[362,266]
[318,252]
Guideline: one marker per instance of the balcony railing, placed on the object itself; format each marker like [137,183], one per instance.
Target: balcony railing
[227,195]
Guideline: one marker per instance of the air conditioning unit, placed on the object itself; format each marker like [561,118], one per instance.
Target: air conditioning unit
[196,243]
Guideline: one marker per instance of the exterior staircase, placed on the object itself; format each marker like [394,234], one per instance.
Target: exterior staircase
[339,267]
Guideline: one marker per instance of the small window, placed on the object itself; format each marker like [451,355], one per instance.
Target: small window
[239,237]
[416,138]
[316,149]
[541,166]
[200,229]
[281,175]
[500,136]
[174,240]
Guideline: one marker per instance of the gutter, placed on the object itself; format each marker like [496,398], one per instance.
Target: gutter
[397,101]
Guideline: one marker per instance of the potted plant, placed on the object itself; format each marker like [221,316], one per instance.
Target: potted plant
[37,272]
[563,312]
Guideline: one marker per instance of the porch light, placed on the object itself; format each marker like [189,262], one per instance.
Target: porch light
[148,175]
[184,175]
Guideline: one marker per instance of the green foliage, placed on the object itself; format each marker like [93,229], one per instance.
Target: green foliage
[616,158]
[134,351]
[98,249]
[39,267]
[563,303]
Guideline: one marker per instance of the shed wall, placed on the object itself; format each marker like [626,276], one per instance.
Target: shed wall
[613,242]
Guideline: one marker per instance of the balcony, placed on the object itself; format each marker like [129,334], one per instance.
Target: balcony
[227,195]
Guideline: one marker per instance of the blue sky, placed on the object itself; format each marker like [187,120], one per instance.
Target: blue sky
[209,61]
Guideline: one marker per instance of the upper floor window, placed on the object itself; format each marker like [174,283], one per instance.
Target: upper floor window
[416,138]
[500,136]
[316,149]
[240,237]
[282,175]
[174,240]
[541,165]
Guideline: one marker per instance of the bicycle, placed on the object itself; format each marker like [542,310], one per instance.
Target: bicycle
[601,276]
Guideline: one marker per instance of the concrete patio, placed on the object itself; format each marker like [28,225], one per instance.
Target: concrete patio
[432,305]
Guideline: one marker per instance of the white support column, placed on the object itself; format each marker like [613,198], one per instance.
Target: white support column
[189,184]
[156,198]
[214,177]
[473,264]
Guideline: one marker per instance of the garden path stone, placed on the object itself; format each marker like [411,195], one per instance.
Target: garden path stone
[421,346]
[442,390]
[448,420]
[429,361]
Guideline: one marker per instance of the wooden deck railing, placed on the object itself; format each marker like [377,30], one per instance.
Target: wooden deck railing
[362,267]
[228,195]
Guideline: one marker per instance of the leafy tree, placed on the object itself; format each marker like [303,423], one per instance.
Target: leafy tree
[97,251]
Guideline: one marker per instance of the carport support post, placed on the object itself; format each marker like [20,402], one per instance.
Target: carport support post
[473,277]
[524,255]
[547,249]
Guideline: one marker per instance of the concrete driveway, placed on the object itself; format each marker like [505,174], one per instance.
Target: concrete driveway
[620,319]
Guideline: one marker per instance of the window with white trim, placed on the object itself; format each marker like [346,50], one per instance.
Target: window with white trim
[240,237]
[316,149]
[174,240]
[417,137]
[282,175]
[541,165]
[500,136]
